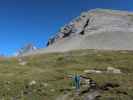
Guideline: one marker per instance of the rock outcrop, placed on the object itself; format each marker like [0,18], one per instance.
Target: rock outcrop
[26,49]
[95,29]
[94,22]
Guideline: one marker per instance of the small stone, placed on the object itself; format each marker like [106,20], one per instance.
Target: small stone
[45,84]
[98,72]
[52,90]
[73,87]
[32,83]
[8,82]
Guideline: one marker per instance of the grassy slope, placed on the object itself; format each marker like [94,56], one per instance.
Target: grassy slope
[53,68]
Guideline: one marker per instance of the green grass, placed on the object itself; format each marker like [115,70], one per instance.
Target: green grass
[53,68]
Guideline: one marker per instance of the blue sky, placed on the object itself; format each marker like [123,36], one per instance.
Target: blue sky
[34,21]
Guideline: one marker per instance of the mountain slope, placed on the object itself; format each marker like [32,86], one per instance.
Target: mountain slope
[45,76]
[95,29]
[96,21]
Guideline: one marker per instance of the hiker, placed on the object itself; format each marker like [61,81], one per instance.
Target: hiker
[77,81]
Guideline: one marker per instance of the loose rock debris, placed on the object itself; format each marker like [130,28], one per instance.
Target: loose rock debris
[111,70]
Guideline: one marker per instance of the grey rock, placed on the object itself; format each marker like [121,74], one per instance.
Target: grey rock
[33,82]
[95,29]
[96,21]
[113,70]
[93,72]
[27,48]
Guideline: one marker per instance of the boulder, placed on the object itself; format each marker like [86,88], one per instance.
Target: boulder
[92,71]
[33,82]
[113,70]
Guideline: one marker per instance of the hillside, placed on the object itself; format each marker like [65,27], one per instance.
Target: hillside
[95,29]
[44,77]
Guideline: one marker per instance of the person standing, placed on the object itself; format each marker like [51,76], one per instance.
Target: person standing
[77,81]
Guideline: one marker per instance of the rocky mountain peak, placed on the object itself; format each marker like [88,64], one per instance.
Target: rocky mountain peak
[93,21]
[102,29]
[26,49]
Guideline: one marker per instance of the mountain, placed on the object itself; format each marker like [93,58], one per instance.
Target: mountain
[26,49]
[94,29]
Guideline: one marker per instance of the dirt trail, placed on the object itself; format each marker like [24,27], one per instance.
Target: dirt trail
[63,97]
[92,95]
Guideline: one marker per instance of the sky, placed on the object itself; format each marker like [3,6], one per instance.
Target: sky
[34,21]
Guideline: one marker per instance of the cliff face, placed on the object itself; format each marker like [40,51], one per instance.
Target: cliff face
[95,29]
[94,22]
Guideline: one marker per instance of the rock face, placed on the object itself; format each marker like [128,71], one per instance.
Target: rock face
[95,29]
[97,21]
[26,49]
